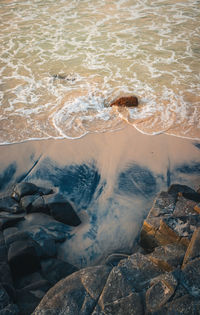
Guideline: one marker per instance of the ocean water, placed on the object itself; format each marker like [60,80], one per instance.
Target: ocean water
[63,62]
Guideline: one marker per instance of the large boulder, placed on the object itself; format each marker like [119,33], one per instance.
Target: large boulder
[55,269]
[125,101]
[76,294]
[57,206]
[22,257]
[9,204]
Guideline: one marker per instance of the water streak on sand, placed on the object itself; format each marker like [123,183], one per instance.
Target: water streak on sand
[62,62]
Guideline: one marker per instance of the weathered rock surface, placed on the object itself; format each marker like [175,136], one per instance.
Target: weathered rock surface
[126,101]
[161,279]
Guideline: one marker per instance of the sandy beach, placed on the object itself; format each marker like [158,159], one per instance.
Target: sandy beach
[111,179]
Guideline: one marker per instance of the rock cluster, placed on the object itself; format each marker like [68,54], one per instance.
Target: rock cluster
[161,277]
[29,266]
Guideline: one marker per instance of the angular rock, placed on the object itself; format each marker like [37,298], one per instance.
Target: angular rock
[192,196]
[113,259]
[185,305]
[24,188]
[22,258]
[190,277]
[168,257]
[55,269]
[184,207]
[132,274]
[164,204]
[37,205]
[5,273]
[129,305]
[126,101]
[3,249]
[76,294]
[179,229]
[27,201]
[8,204]
[52,230]
[161,290]
[177,188]
[61,210]
[16,236]
[193,250]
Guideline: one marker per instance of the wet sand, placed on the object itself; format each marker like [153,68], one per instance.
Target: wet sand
[111,179]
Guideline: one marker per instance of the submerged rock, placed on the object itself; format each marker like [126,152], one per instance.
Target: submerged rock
[25,188]
[125,101]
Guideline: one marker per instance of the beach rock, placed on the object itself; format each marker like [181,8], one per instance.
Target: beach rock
[126,101]
[61,210]
[24,188]
[168,257]
[190,277]
[16,236]
[27,201]
[10,205]
[114,259]
[10,309]
[27,302]
[192,196]
[55,269]
[22,258]
[9,220]
[177,188]
[193,250]
[76,294]
[5,274]
[52,230]
[185,305]
[36,204]
[4,297]
[184,207]
[3,249]
[161,290]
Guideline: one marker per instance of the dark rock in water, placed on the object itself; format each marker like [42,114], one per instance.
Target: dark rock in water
[16,236]
[61,210]
[114,259]
[47,248]
[176,188]
[192,196]
[24,188]
[53,230]
[22,258]
[126,101]
[76,294]
[37,205]
[4,297]
[27,201]
[10,309]
[5,273]
[9,220]
[26,302]
[8,204]
[55,269]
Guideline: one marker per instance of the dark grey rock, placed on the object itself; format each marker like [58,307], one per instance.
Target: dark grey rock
[22,258]
[113,259]
[193,250]
[192,196]
[16,236]
[176,188]
[184,207]
[38,205]
[5,273]
[9,220]
[28,279]
[27,302]
[24,188]
[168,257]
[61,210]
[52,230]
[163,204]
[161,290]
[76,294]
[8,204]
[55,269]
[190,277]
[185,305]
[4,297]
[10,309]
[27,201]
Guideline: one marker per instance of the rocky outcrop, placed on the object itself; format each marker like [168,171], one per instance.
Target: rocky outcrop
[161,278]
[125,101]
[29,266]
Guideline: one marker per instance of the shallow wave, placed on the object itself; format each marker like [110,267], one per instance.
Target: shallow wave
[63,62]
